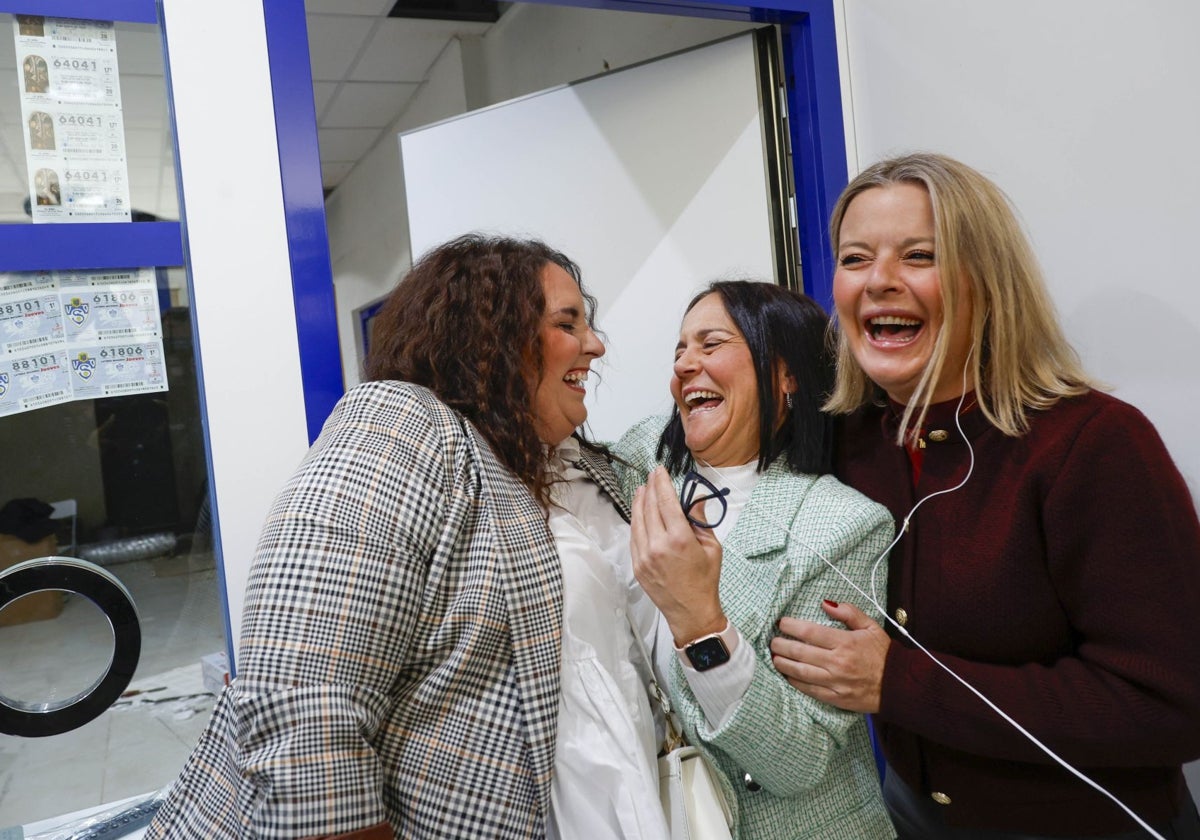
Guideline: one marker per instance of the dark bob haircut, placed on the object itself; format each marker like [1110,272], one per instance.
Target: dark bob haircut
[465,323]
[781,328]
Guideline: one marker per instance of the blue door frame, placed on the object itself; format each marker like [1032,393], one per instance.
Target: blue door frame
[815,124]
[814,106]
[59,247]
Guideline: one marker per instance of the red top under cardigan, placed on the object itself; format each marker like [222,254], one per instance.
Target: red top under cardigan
[1063,581]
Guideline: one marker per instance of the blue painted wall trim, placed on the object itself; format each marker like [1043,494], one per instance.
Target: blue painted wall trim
[815,125]
[304,209]
[818,141]
[26,247]
[137,11]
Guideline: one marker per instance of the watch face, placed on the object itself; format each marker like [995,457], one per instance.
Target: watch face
[707,653]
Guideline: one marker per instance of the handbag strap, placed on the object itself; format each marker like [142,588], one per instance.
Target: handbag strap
[674,733]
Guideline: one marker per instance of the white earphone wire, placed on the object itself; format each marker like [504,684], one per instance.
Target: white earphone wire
[874,601]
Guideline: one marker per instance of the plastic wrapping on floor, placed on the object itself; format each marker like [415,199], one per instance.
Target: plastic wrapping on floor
[109,824]
[131,548]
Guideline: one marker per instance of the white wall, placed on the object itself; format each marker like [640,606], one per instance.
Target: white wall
[531,48]
[240,270]
[366,215]
[1087,113]
[536,46]
[665,159]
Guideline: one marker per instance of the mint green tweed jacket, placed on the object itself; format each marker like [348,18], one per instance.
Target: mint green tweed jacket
[814,762]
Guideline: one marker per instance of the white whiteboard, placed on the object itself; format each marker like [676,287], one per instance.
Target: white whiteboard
[652,179]
[1087,113]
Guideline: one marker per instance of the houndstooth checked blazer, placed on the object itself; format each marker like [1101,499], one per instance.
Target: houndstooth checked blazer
[399,659]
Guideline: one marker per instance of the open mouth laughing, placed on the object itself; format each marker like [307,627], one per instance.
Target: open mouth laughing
[701,400]
[893,329]
[575,380]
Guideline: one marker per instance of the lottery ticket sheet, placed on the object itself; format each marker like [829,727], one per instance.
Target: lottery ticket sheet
[78,335]
[74,127]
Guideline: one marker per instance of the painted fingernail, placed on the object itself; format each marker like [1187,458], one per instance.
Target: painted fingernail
[829,603]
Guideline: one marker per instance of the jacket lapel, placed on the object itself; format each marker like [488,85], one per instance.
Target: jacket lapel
[756,549]
[599,469]
[532,578]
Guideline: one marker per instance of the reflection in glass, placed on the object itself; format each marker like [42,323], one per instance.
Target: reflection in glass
[148,143]
[132,472]
[53,646]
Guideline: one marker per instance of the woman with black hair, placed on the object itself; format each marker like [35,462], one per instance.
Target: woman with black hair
[764,532]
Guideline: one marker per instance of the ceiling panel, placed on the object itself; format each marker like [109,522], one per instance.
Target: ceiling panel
[366,68]
[322,93]
[403,50]
[349,7]
[334,42]
[332,172]
[368,104]
[346,143]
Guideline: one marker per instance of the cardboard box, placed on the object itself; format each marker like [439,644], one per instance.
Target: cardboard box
[36,606]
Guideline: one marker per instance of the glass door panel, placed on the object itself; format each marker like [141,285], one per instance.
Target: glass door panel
[102,443]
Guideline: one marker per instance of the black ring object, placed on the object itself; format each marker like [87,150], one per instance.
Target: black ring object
[35,720]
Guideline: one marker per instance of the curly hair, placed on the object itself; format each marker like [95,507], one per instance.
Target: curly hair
[465,323]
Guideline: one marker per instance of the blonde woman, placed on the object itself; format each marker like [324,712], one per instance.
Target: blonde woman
[1061,574]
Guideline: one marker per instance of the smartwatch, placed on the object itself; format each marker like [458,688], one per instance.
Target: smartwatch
[709,651]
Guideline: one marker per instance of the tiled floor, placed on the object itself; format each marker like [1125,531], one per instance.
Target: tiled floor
[140,744]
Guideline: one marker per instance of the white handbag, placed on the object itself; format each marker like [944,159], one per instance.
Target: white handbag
[693,800]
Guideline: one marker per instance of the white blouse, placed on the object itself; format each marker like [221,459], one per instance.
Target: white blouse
[605,768]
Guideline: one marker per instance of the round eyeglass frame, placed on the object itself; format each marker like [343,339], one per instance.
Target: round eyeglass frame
[698,490]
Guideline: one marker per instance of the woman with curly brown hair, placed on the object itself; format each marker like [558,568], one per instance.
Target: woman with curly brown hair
[428,647]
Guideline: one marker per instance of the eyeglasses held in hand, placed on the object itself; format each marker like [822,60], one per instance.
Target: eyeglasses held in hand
[697,490]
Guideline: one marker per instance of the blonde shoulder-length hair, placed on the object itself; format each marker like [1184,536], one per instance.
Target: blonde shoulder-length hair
[1019,357]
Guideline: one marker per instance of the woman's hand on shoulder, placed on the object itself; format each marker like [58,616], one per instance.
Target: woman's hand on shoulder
[677,564]
[843,668]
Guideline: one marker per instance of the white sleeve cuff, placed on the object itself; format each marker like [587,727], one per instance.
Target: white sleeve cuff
[720,690]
